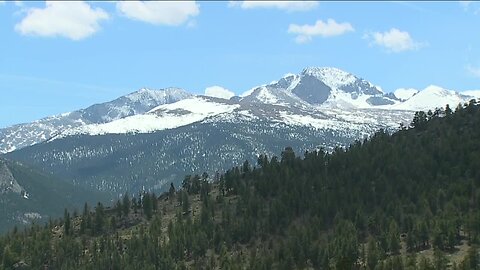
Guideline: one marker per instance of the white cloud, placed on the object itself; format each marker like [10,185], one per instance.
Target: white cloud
[171,13]
[470,6]
[219,92]
[320,28]
[73,20]
[290,6]
[465,4]
[394,40]
[474,71]
[473,93]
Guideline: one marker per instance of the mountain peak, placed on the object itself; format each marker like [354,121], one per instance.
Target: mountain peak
[430,97]
[160,94]
[437,90]
[331,76]
[311,70]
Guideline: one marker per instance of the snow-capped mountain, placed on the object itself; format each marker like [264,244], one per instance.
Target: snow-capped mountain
[168,116]
[405,93]
[138,102]
[150,138]
[330,87]
[432,97]
[316,97]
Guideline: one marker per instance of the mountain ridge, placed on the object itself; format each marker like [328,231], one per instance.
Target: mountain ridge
[149,150]
[315,91]
[26,134]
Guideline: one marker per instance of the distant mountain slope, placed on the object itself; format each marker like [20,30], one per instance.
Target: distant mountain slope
[28,195]
[168,116]
[131,162]
[314,90]
[431,97]
[138,102]
[320,107]
[316,86]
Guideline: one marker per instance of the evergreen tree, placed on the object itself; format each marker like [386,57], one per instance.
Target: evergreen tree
[147,204]
[67,227]
[393,238]
[126,204]
[99,218]
[372,254]
[185,202]
[171,191]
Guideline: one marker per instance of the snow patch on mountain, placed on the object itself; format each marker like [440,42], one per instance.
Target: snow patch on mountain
[317,97]
[163,117]
[138,102]
[333,77]
[430,98]
[405,93]
[340,99]
[266,96]
[149,96]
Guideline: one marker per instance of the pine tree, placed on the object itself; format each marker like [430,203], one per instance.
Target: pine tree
[448,111]
[393,238]
[99,218]
[126,204]
[440,261]
[67,223]
[8,258]
[147,205]
[372,254]
[171,191]
[185,203]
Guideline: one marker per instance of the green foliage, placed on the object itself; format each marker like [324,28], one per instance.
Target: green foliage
[349,209]
[46,196]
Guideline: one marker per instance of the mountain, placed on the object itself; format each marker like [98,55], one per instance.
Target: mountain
[322,86]
[403,200]
[28,195]
[181,113]
[313,91]
[138,102]
[317,108]
[431,97]
[150,150]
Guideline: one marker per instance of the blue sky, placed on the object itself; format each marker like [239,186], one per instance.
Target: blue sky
[58,57]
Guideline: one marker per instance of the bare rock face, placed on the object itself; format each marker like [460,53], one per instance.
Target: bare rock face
[7,181]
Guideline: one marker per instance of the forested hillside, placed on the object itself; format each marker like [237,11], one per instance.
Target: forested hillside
[408,200]
[28,195]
